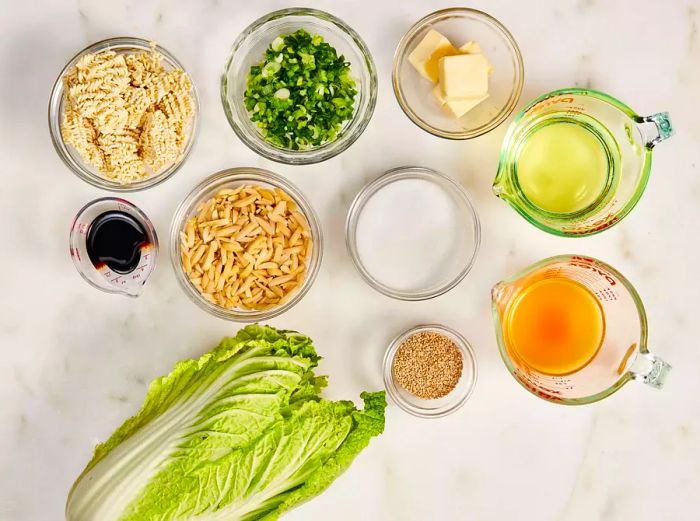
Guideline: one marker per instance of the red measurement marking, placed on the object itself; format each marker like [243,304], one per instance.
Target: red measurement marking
[598,226]
[590,264]
[550,101]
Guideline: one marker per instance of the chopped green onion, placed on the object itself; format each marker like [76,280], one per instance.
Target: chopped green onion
[282,93]
[277,44]
[302,94]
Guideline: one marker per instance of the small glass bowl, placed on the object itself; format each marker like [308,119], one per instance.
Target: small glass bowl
[441,406]
[249,48]
[460,25]
[70,156]
[232,178]
[462,260]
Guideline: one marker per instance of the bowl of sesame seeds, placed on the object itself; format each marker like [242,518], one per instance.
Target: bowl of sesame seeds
[430,370]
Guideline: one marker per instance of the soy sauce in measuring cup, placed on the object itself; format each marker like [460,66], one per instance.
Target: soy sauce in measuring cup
[115,239]
[114,246]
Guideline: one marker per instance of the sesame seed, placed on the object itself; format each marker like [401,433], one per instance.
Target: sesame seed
[428,365]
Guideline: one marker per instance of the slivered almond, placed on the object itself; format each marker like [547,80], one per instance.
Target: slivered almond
[256,245]
[198,254]
[232,246]
[280,280]
[226,232]
[265,225]
[296,236]
[245,201]
[283,229]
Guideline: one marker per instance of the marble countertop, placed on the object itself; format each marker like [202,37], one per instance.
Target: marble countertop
[75,362]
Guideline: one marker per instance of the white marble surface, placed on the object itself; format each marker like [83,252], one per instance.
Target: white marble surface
[75,362]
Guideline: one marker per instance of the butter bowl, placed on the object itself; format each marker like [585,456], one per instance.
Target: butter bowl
[462,26]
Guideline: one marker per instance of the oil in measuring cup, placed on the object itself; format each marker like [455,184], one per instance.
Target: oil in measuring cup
[576,161]
[113,246]
[567,163]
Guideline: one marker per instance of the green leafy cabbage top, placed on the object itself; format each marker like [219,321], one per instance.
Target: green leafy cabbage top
[239,434]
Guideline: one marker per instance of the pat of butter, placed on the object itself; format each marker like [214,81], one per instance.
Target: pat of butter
[437,94]
[426,56]
[460,106]
[471,47]
[457,107]
[464,76]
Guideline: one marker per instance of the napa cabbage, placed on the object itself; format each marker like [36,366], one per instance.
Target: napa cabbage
[241,433]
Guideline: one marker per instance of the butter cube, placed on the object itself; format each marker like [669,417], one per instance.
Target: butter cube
[471,47]
[426,56]
[457,107]
[437,94]
[460,106]
[464,76]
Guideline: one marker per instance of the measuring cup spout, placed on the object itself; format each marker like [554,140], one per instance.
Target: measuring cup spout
[500,295]
[499,188]
[133,292]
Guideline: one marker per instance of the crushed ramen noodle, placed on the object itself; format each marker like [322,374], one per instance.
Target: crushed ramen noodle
[126,114]
[247,247]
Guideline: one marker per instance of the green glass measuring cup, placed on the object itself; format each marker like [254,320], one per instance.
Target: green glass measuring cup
[576,161]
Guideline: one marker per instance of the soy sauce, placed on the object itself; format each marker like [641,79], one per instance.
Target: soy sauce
[115,239]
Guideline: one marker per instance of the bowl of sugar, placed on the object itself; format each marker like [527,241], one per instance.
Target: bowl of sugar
[413,233]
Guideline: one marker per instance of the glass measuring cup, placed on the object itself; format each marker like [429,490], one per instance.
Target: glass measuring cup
[101,276]
[623,354]
[623,140]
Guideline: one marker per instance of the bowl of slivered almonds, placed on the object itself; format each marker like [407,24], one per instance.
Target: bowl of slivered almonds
[245,244]
[123,114]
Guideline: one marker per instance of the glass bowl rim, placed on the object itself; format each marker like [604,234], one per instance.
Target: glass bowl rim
[501,116]
[469,361]
[55,113]
[370,189]
[328,150]
[245,174]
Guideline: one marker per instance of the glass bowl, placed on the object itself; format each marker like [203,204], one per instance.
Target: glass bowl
[460,25]
[248,50]
[396,260]
[232,178]
[441,406]
[70,156]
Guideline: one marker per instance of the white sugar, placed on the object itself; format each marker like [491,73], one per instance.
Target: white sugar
[413,235]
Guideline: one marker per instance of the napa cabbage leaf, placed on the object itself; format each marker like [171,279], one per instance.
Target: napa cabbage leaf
[241,433]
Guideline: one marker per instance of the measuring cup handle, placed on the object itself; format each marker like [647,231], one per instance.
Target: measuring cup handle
[659,130]
[650,369]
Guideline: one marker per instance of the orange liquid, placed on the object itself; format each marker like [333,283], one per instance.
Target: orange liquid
[554,326]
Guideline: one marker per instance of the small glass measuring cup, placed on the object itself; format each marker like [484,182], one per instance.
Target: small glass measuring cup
[623,354]
[626,138]
[101,276]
